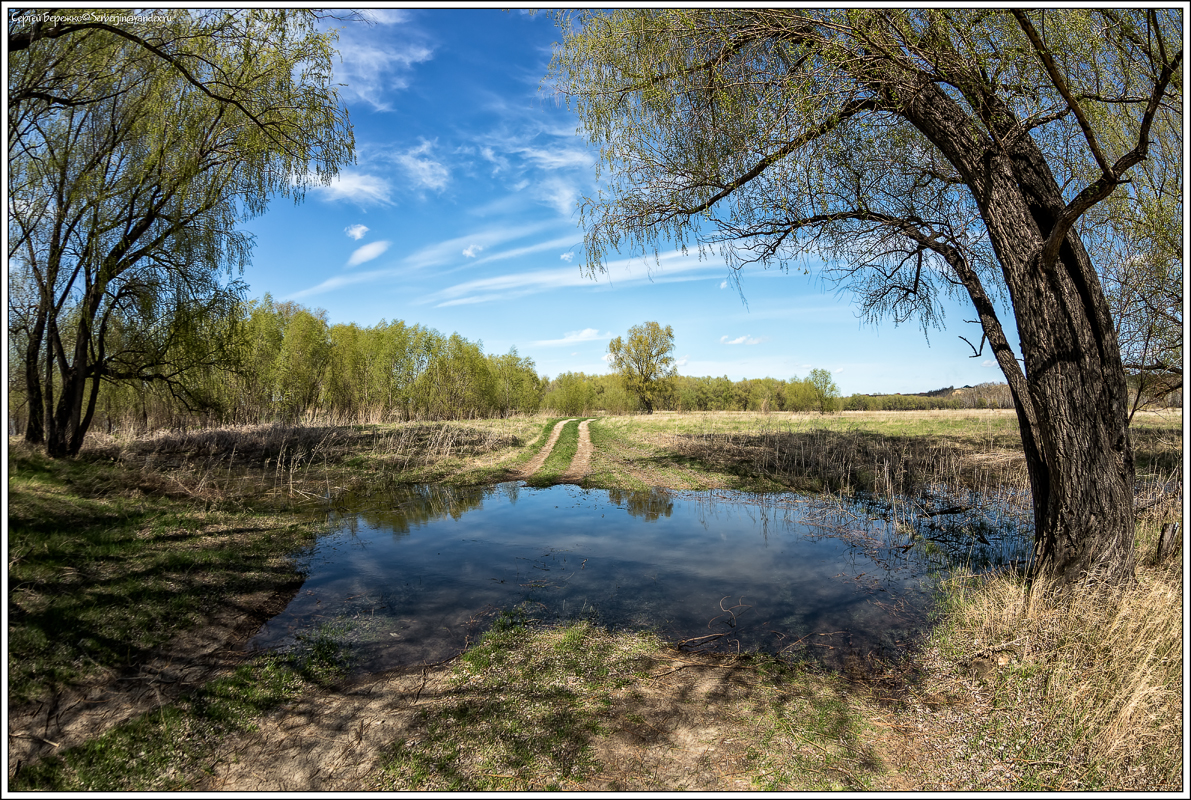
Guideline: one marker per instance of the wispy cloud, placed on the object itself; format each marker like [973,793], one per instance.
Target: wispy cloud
[558,157]
[447,252]
[355,186]
[500,163]
[560,194]
[989,362]
[367,253]
[356,231]
[567,257]
[746,339]
[425,171]
[370,70]
[674,267]
[484,290]
[517,252]
[724,284]
[472,250]
[384,16]
[339,281]
[682,362]
[571,337]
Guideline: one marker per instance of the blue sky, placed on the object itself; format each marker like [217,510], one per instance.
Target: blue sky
[460,215]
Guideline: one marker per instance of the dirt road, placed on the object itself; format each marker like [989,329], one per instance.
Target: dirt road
[540,459]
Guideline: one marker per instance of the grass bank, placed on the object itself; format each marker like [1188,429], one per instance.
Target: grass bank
[135,566]
[109,567]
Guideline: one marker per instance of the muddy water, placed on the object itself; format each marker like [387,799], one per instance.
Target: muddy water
[415,578]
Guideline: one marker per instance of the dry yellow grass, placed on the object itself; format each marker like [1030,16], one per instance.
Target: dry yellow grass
[1098,669]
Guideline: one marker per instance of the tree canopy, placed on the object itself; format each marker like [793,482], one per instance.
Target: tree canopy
[645,361]
[135,147]
[920,153]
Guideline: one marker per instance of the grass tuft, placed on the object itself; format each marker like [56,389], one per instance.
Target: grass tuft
[1090,678]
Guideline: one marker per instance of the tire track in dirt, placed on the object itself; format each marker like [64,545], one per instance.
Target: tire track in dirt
[581,463]
[540,459]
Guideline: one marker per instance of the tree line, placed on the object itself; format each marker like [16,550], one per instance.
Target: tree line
[283,362]
[575,393]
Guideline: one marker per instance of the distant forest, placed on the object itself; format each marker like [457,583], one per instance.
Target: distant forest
[282,362]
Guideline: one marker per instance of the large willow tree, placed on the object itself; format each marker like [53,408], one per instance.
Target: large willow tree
[137,142]
[919,153]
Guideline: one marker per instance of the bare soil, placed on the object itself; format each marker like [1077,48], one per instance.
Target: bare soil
[199,655]
[536,463]
[581,463]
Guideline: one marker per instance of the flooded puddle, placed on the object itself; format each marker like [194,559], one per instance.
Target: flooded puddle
[419,576]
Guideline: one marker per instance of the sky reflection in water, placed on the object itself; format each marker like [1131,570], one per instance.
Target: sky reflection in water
[415,578]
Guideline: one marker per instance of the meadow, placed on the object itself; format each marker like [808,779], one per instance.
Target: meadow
[136,569]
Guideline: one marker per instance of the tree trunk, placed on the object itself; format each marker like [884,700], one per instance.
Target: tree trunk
[1082,471]
[1073,412]
[35,426]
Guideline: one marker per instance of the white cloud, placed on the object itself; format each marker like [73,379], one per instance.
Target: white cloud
[501,163]
[384,16]
[447,252]
[673,267]
[356,231]
[746,339]
[472,249]
[357,187]
[426,172]
[558,158]
[560,194]
[989,362]
[682,362]
[567,257]
[838,371]
[606,358]
[367,253]
[724,284]
[339,281]
[571,337]
[524,251]
[369,71]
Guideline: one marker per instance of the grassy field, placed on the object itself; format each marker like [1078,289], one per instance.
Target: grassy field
[135,569]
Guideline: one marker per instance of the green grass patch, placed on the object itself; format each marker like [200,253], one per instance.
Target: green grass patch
[101,574]
[175,746]
[523,713]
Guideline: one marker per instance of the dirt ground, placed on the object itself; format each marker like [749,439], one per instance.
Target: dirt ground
[537,461]
[198,656]
[332,742]
[581,463]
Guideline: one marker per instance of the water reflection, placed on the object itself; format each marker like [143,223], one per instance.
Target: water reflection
[650,505]
[419,575]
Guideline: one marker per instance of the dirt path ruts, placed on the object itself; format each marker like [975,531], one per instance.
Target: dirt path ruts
[581,463]
[540,458]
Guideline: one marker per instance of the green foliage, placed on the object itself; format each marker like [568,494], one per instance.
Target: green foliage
[826,392]
[645,362]
[287,364]
[134,152]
